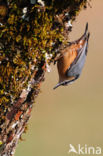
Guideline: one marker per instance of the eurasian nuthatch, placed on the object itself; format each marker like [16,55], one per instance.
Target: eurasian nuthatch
[71,60]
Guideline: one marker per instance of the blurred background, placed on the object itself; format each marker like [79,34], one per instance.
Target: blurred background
[73,114]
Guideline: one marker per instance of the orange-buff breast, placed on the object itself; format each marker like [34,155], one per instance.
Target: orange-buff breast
[69,54]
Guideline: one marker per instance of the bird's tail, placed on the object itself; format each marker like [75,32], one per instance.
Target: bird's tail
[86,39]
[88,36]
[83,36]
[86,28]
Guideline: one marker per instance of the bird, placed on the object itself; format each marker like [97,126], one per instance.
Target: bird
[72,59]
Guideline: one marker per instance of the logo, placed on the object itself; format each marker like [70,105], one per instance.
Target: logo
[84,150]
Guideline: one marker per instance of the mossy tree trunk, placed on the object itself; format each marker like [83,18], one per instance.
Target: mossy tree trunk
[31,35]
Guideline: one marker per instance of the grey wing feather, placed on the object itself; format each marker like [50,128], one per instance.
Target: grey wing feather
[77,65]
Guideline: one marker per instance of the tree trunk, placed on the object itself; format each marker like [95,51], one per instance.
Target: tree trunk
[31,36]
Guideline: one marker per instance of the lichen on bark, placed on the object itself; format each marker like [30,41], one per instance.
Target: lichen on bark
[31,35]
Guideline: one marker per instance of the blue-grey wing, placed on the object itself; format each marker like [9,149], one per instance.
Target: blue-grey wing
[77,65]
